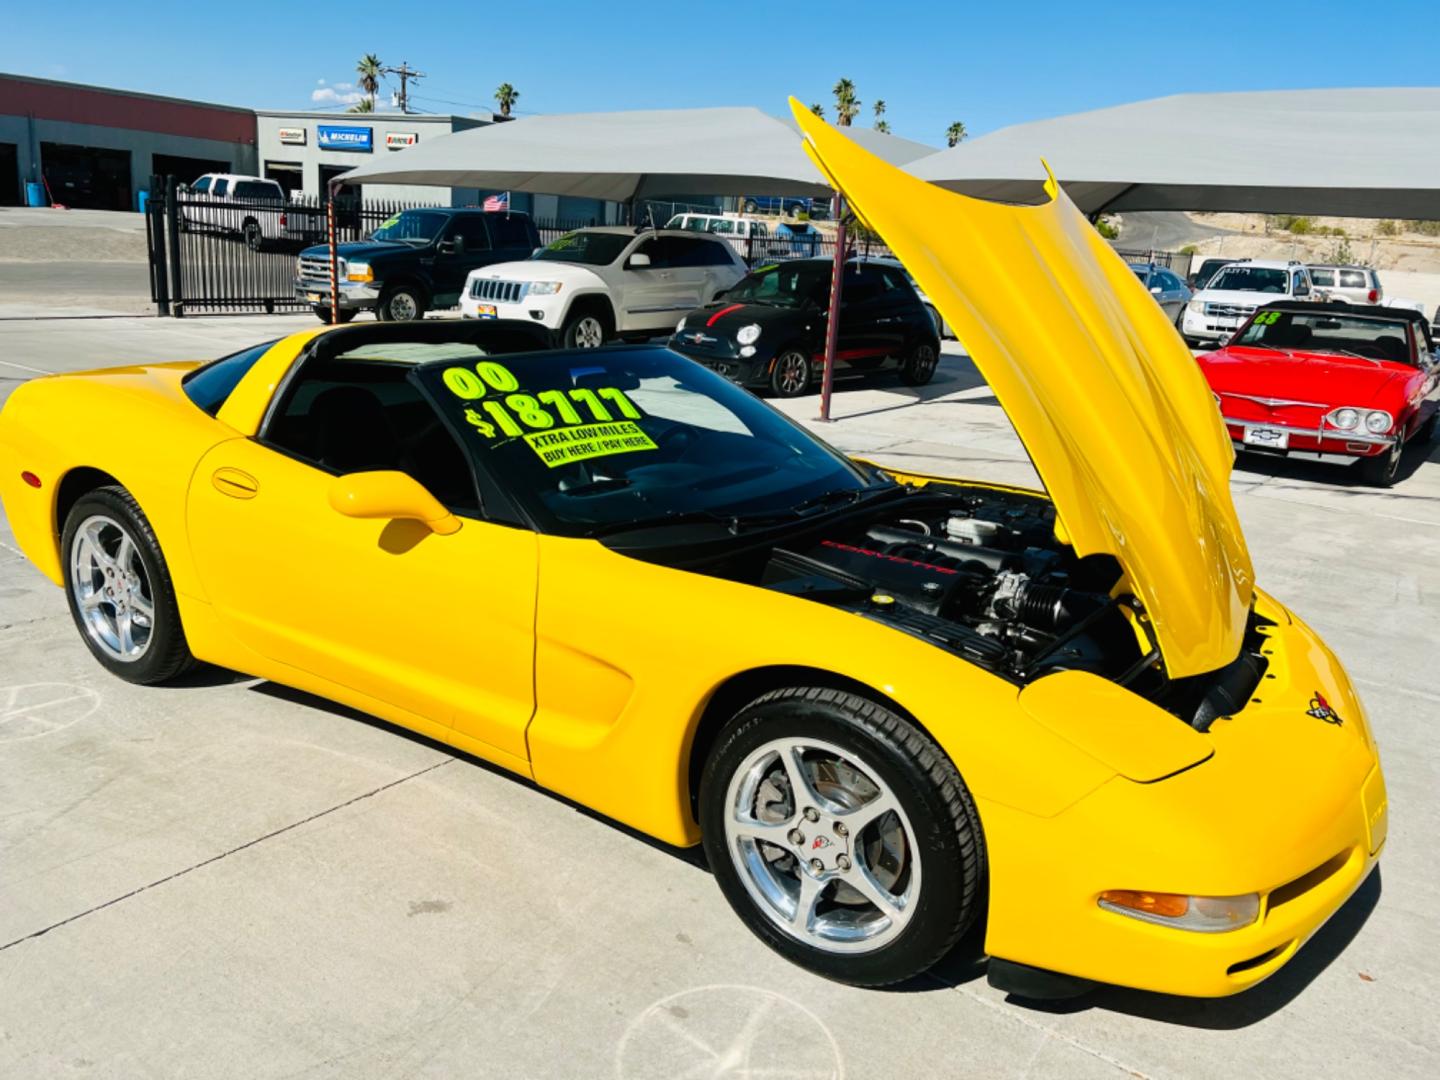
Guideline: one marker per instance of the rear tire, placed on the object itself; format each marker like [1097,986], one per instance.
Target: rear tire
[118,587]
[920,364]
[784,802]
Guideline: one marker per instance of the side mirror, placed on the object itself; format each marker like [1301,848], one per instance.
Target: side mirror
[638,261]
[454,246]
[391,495]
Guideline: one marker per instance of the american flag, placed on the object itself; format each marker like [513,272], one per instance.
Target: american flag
[498,202]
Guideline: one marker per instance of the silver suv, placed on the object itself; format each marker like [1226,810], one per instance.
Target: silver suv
[1353,284]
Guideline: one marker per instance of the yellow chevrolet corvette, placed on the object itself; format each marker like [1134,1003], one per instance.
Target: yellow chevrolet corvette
[887,705]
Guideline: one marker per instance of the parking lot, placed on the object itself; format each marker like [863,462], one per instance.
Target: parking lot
[228,878]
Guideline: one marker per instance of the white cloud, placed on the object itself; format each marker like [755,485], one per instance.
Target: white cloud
[339,94]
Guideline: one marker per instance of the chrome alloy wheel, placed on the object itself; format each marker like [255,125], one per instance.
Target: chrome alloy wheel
[823,846]
[589,334]
[111,588]
[792,372]
[402,307]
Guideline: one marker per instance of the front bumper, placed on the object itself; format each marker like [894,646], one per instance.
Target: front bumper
[1290,806]
[1206,327]
[547,311]
[354,295]
[751,371]
[1312,444]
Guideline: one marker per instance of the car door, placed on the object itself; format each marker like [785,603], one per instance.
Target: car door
[440,626]
[1171,296]
[871,324]
[463,246]
[650,296]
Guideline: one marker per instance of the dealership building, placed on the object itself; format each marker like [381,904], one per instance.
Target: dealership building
[97,148]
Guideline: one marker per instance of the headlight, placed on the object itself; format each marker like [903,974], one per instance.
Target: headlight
[1202,914]
[1344,418]
[358,271]
[544,288]
[748,335]
[1378,421]
[680,326]
[1197,306]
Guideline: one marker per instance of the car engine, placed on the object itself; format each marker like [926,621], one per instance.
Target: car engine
[979,573]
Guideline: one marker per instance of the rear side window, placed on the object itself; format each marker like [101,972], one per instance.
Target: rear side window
[255,189]
[684,252]
[210,386]
[511,232]
[221,187]
[1323,277]
[1353,279]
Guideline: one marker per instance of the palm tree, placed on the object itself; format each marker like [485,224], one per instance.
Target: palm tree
[955,133]
[882,125]
[364,105]
[847,105]
[506,96]
[370,70]
[818,110]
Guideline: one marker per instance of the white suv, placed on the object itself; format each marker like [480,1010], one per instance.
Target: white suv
[250,207]
[592,285]
[1236,290]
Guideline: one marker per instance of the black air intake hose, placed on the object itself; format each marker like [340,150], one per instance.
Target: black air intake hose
[1051,607]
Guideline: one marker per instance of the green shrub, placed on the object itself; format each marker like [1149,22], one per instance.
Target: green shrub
[1105,229]
[1387,228]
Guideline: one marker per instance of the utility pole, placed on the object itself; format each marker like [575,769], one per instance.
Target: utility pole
[406,72]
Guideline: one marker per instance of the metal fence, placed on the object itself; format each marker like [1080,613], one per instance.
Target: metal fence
[1167,259]
[236,255]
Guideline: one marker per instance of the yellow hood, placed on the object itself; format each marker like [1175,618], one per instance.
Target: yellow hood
[1111,406]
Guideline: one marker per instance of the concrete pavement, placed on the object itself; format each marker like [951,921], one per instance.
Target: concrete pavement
[232,879]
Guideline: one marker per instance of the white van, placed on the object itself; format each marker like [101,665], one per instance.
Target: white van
[746,236]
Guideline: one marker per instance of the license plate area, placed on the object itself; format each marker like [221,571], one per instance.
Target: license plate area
[485,311]
[1269,438]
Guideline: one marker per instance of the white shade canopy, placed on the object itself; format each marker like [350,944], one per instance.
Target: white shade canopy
[1352,153]
[622,156]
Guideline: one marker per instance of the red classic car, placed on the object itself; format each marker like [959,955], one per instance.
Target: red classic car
[1329,382]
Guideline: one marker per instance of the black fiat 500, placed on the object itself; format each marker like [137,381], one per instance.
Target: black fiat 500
[768,331]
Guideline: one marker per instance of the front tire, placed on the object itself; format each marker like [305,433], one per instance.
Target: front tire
[323,314]
[119,591]
[842,835]
[791,376]
[585,329]
[919,366]
[1379,471]
[401,303]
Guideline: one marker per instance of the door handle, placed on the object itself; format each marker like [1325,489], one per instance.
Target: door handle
[236,484]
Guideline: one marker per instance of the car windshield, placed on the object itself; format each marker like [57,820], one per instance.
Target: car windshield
[1242,278]
[1322,331]
[417,227]
[597,442]
[791,284]
[586,248]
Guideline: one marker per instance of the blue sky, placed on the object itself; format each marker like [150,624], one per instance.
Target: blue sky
[989,65]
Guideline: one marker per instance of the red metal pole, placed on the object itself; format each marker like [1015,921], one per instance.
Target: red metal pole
[334,189]
[832,327]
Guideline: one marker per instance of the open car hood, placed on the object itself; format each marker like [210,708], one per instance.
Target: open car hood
[1110,405]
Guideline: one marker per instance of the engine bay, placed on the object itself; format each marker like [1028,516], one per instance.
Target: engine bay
[979,573]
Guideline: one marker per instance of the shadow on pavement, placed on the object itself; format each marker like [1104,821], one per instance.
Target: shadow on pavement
[1339,476]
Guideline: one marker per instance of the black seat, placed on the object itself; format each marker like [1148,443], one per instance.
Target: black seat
[1392,348]
[352,431]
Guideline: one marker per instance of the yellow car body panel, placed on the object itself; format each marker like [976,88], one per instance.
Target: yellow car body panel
[1117,418]
[592,671]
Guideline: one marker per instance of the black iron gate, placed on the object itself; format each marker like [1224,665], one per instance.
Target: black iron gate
[211,253]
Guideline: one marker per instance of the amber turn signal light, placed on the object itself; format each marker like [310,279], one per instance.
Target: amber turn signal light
[1167,905]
